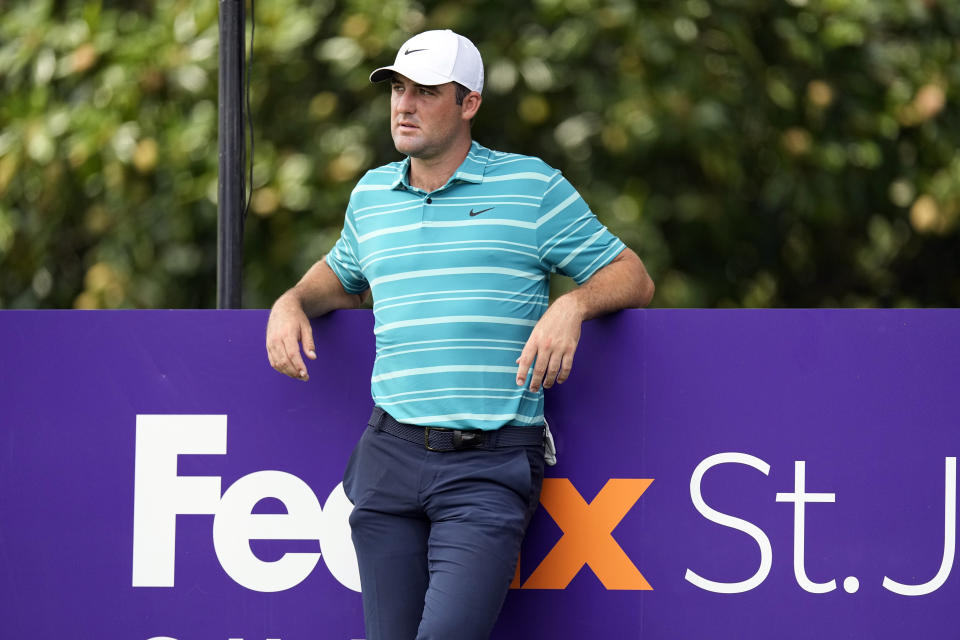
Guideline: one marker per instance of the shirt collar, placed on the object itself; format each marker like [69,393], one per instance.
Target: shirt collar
[402,179]
[470,170]
[474,165]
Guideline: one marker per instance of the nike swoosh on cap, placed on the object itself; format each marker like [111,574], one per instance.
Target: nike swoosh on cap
[476,213]
[409,51]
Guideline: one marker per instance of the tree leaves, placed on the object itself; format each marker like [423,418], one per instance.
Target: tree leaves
[754,154]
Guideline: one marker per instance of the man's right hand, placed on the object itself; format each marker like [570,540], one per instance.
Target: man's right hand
[288,328]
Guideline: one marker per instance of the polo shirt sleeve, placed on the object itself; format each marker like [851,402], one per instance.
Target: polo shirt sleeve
[570,239]
[343,258]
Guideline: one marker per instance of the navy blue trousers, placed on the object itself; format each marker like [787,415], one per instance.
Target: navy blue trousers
[437,534]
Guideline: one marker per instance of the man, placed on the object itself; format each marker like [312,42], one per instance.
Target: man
[456,244]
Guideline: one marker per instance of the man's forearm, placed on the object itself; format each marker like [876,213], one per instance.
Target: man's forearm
[320,291]
[622,284]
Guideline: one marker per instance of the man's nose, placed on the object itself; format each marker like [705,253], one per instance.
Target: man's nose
[406,103]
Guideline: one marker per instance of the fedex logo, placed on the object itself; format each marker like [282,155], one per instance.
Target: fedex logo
[160,495]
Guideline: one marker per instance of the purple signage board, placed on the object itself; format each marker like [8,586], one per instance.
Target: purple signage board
[721,474]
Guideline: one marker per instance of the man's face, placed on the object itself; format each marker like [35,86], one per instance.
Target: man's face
[424,120]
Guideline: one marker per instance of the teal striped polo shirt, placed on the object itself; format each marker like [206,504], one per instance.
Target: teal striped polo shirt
[459,278]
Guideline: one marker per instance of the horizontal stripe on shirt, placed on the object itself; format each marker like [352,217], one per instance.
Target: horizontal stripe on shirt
[422,322]
[457,348]
[422,371]
[511,299]
[521,296]
[437,420]
[469,342]
[456,271]
[477,222]
[533,396]
[487,249]
[395,403]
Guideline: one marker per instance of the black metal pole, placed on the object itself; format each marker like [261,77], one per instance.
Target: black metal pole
[231,190]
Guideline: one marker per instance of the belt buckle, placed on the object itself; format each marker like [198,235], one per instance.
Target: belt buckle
[426,437]
[467,439]
[461,439]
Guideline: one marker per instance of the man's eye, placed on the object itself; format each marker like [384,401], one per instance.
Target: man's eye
[426,92]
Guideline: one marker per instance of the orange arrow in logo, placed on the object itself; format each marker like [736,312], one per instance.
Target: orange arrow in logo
[588,535]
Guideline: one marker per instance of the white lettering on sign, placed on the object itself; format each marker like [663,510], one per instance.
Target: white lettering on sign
[234,526]
[799,497]
[752,530]
[949,540]
[160,495]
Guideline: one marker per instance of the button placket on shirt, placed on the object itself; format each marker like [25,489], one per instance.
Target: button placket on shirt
[431,212]
[427,213]
[425,200]
[428,208]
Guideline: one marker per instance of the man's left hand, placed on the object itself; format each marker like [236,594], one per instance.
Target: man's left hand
[551,345]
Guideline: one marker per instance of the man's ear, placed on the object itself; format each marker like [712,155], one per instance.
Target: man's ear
[470,106]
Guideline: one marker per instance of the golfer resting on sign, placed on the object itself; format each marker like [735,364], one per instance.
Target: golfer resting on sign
[456,243]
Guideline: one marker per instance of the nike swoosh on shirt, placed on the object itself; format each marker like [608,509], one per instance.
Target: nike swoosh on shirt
[476,213]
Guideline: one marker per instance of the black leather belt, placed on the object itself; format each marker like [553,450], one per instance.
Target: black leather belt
[444,439]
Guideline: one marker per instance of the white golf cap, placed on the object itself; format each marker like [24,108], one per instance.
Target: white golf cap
[436,57]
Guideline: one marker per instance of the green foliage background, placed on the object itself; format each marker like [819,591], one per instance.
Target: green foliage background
[754,152]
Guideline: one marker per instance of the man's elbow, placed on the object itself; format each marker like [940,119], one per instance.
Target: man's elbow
[642,288]
[359,299]
[647,290]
